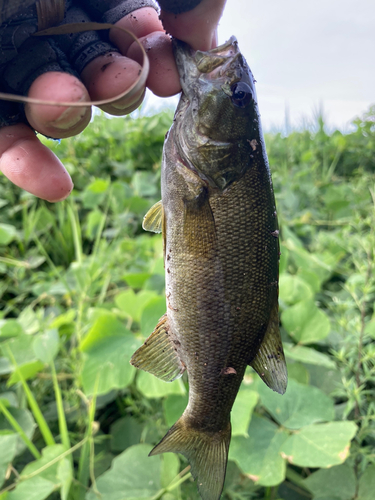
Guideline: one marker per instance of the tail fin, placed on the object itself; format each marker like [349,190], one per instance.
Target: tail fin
[207,453]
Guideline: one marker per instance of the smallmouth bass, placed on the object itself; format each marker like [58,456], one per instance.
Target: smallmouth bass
[221,256]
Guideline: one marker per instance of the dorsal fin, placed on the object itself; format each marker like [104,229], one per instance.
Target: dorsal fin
[153,220]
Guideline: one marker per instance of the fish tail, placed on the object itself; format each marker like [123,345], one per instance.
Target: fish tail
[206,451]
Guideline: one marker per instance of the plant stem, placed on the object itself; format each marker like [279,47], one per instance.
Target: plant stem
[86,466]
[46,466]
[179,479]
[43,426]
[76,233]
[63,428]
[16,426]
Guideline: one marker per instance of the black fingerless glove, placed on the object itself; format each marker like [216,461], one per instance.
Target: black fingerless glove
[23,58]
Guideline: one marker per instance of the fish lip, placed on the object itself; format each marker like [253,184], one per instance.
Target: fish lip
[213,65]
[182,48]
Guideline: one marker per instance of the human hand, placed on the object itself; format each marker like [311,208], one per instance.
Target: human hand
[31,165]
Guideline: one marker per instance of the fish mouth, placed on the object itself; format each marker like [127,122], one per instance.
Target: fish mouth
[222,65]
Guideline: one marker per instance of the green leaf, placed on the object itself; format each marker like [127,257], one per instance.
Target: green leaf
[95,193]
[9,398]
[312,267]
[10,328]
[337,481]
[133,304]
[133,476]
[107,349]
[94,220]
[298,372]
[125,432]
[370,328]
[308,356]
[5,366]
[63,319]
[28,370]
[50,473]
[57,475]
[152,387]
[174,406]
[24,419]
[305,322]
[320,445]
[310,278]
[301,405]
[22,349]
[327,498]
[65,476]
[7,234]
[242,411]
[46,346]
[170,468]
[367,484]
[293,289]
[284,254]
[151,314]
[105,325]
[136,280]
[35,488]
[137,205]
[144,185]
[29,321]
[8,445]
[326,379]
[258,455]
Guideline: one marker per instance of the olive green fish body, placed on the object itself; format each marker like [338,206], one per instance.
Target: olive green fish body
[221,248]
[221,283]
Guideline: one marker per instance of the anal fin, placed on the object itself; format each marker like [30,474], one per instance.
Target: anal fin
[269,361]
[158,355]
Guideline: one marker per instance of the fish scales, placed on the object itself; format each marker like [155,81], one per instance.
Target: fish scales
[220,231]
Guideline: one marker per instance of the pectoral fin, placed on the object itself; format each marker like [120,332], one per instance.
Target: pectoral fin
[153,220]
[199,225]
[269,362]
[158,355]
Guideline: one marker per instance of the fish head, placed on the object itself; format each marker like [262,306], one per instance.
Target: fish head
[217,120]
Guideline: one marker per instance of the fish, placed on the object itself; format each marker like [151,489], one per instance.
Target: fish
[220,233]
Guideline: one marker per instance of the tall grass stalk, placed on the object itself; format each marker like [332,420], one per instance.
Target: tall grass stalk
[40,420]
[86,465]
[16,426]
[63,428]
[76,230]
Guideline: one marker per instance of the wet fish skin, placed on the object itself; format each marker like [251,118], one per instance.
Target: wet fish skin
[219,224]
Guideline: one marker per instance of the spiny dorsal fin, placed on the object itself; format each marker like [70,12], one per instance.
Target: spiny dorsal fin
[207,453]
[153,220]
[158,355]
[269,362]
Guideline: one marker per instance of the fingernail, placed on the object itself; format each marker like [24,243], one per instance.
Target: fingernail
[69,118]
[125,108]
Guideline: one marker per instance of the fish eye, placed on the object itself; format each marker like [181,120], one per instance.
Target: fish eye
[241,94]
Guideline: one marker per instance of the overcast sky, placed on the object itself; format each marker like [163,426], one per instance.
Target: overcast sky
[306,54]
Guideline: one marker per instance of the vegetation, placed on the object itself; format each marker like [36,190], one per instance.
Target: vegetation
[82,285]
